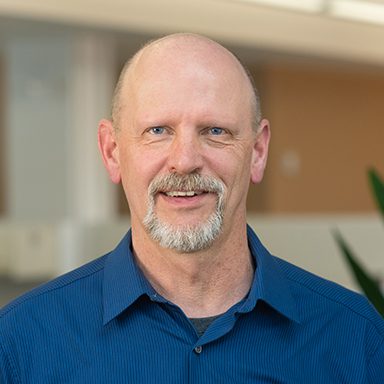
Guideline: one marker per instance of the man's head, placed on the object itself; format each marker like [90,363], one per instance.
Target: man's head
[185,140]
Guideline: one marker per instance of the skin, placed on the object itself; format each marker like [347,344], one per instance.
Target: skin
[173,95]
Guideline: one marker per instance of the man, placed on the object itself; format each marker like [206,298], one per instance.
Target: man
[190,295]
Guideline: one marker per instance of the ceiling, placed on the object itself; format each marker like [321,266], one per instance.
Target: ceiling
[252,24]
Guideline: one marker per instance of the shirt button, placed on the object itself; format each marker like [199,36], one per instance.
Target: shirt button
[198,349]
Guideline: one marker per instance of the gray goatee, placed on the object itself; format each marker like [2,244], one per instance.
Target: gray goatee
[185,238]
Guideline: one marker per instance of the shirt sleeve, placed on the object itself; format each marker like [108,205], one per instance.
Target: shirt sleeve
[376,367]
[6,373]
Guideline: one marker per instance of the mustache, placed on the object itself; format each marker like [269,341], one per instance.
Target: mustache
[191,182]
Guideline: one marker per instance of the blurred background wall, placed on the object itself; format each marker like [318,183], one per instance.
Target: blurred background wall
[319,66]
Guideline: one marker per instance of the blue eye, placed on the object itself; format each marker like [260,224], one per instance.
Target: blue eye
[216,131]
[157,130]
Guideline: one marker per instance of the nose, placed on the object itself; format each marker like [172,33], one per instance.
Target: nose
[185,154]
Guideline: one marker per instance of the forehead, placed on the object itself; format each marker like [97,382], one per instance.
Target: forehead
[187,67]
[183,51]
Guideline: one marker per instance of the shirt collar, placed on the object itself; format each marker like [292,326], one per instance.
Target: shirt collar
[124,283]
[270,283]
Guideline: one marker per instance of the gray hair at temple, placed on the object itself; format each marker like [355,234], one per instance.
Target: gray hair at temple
[117,96]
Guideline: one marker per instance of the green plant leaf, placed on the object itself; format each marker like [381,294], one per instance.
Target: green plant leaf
[369,286]
[377,186]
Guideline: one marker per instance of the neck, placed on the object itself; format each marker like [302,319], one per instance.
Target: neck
[204,283]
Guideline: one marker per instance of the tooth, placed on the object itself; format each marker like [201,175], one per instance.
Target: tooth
[182,193]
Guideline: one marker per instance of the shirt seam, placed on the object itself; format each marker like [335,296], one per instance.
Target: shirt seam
[9,362]
[340,303]
[27,298]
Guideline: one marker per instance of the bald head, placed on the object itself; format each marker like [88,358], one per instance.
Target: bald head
[184,53]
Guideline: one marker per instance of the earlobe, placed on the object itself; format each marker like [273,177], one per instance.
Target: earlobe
[260,152]
[109,150]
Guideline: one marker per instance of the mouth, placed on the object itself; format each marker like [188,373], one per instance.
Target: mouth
[183,193]
[182,199]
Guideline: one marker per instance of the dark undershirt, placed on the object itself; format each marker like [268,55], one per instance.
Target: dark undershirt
[201,324]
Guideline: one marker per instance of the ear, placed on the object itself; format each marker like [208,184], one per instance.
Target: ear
[260,152]
[109,149]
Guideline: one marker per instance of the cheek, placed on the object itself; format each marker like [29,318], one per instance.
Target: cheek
[138,168]
[232,165]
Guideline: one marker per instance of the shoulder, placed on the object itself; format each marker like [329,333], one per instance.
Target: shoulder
[66,287]
[40,322]
[326,295]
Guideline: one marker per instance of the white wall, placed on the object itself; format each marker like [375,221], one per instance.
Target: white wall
[59,85]
[37,69]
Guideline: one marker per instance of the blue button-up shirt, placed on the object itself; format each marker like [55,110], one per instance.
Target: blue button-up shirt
[104,323]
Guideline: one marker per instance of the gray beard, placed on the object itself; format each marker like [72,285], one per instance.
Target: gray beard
[188,238]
